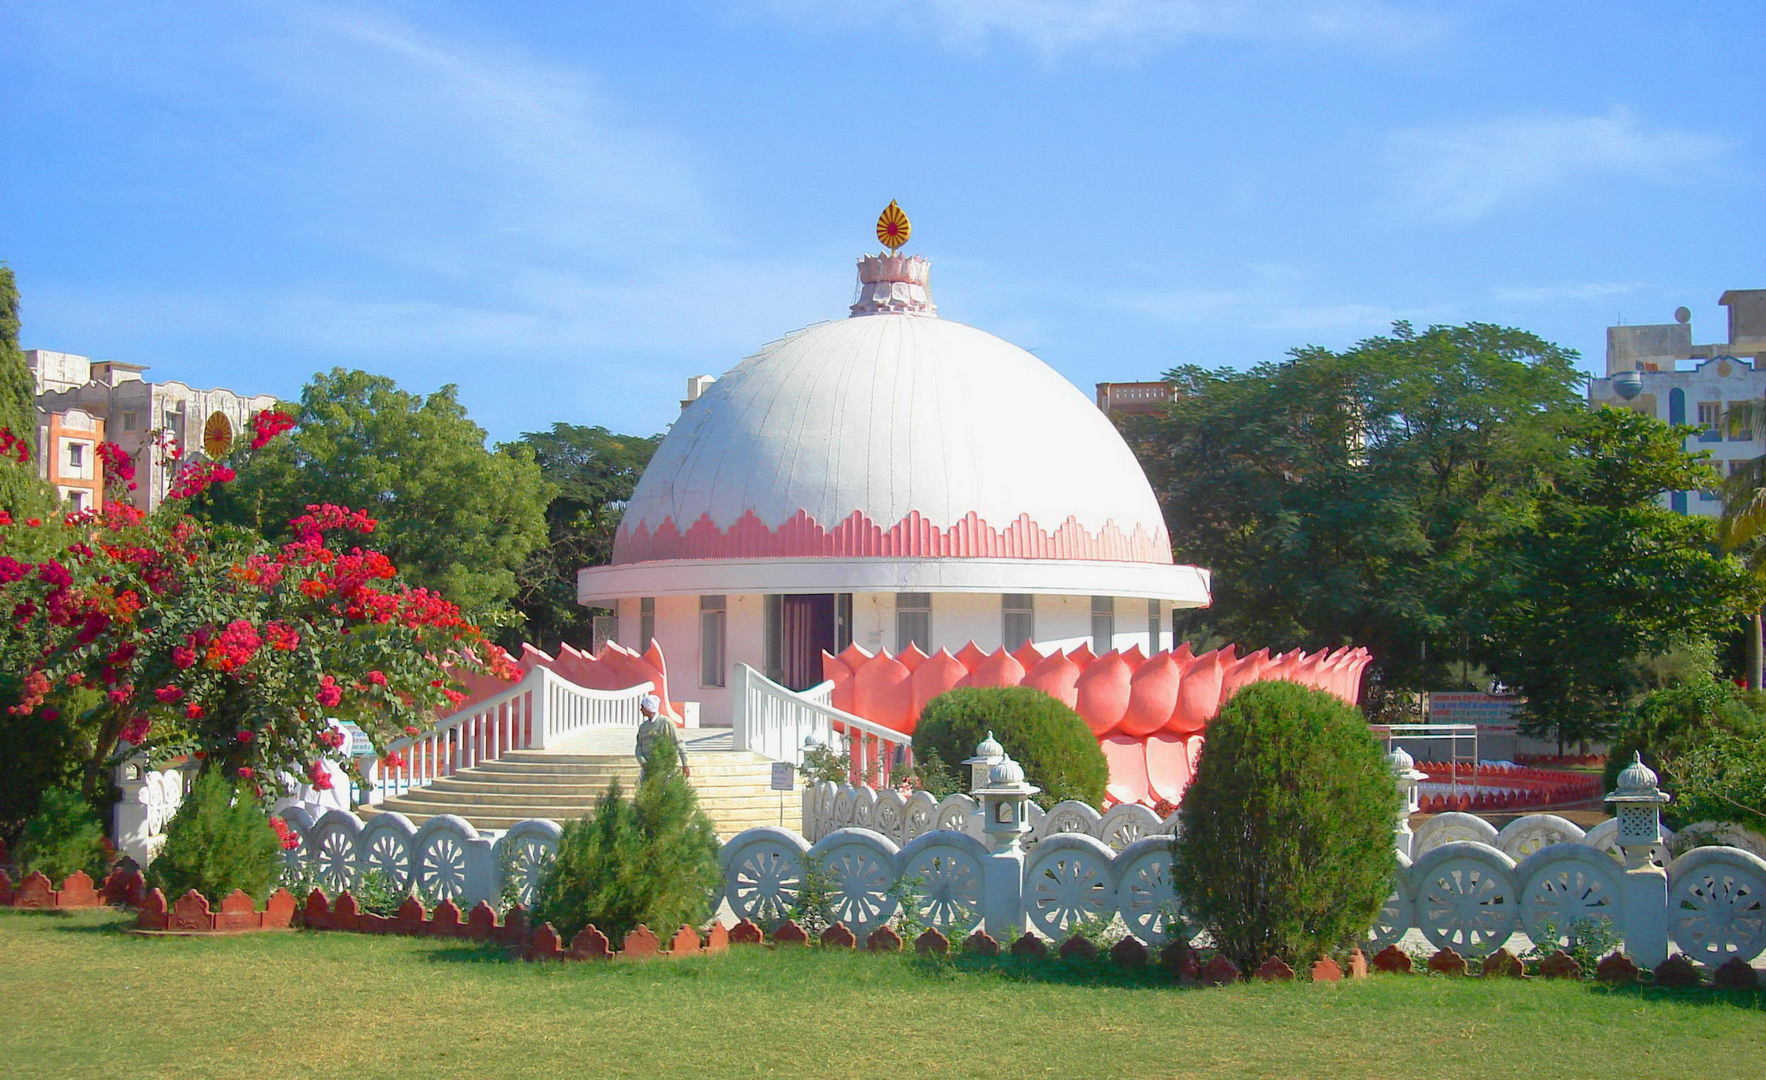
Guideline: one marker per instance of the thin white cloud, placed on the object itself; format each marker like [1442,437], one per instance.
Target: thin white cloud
[1567,291]
[1051,28]
[1459,173]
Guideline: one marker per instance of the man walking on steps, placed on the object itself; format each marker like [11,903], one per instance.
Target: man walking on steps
[655,736]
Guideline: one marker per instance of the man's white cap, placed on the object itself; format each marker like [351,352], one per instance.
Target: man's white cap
[650,703]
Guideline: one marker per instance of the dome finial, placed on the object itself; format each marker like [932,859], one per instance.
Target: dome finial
[893,226]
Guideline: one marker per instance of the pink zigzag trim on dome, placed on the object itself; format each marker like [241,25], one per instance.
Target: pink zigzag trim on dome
[857,536]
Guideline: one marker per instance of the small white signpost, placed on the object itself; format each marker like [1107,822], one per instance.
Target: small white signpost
[784,779]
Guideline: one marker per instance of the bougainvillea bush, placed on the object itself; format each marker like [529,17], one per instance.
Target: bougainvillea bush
[185,639]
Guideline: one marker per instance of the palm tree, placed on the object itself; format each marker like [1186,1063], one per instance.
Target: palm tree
[1742,528]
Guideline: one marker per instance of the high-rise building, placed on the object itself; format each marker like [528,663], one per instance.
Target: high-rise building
[1657,370]
[83,402]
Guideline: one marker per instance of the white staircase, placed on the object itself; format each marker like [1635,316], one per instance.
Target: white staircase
[734,787]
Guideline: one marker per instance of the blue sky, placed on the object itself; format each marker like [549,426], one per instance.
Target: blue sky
[568,209]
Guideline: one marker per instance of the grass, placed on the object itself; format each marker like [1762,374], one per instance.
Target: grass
[86,999]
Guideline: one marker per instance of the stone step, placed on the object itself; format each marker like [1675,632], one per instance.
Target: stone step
[716,766]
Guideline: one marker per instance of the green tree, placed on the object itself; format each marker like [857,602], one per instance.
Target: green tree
[1345,497]
[454,516]
[1286,845]
[18,396]
[592,472]
[651,860]
[218,841]
[1596,574]
[22,494]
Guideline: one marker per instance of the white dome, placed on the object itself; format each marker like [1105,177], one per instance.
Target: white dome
[893,435]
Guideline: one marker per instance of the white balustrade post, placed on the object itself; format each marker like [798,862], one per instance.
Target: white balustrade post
[134,835]
[1643,905]
[543,713]
[1409,779]
[1005,807]
[739,718]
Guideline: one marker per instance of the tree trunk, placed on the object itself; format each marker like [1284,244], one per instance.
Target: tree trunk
[1754,674]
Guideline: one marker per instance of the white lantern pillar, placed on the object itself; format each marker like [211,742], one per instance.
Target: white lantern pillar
[1005,811]
[1409,779]
[1637,802]
[988,754]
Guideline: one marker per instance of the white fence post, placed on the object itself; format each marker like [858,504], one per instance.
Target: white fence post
[1643,903]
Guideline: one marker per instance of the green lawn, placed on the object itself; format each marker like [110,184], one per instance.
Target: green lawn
[85,999]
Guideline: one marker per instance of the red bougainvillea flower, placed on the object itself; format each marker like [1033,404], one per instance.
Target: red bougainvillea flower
[268,424]
[394,760]
[193,712]
[245,735]
[136,728]
[169,694]
[14,447]
[329,693]
[281,636]
[319,776]
[119,467]
[378,678]
[184,657]
[410,729]
[290,839]
[245,772]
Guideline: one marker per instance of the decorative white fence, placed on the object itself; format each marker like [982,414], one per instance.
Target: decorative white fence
[828,806]
[1470,895]
[532,714]
[772,721]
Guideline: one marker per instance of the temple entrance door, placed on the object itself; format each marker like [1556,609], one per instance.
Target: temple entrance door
[806,628]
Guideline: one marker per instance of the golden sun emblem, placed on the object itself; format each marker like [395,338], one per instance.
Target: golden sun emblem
[893,227]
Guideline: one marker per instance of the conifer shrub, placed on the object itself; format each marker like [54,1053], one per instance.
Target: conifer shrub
[64,835]
[1286,846]
[1053,744]
[219,840]
[650,859]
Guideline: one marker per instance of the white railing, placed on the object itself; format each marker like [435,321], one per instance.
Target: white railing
[570,708]
[530,715]
[772,721]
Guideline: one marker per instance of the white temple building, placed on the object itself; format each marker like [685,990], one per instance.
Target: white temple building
[886,479]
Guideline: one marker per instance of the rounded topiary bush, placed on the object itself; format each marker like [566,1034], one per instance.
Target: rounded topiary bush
[64,835]
[219,840]
[650,859]
[1056,748]
[1286,847]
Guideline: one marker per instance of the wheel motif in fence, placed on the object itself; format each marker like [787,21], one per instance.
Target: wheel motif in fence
[1464,897]
[763,874]
[1145,896]
[1564,884]
[386,849]
[334,850]
[524,853]
[1125,823]
[949,871]
[1525,835]
[1069,880]
[1717,904]
[1397,915]
[441,857]
[859,866]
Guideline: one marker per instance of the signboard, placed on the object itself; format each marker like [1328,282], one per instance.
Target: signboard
[1473,708]
[784,776]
